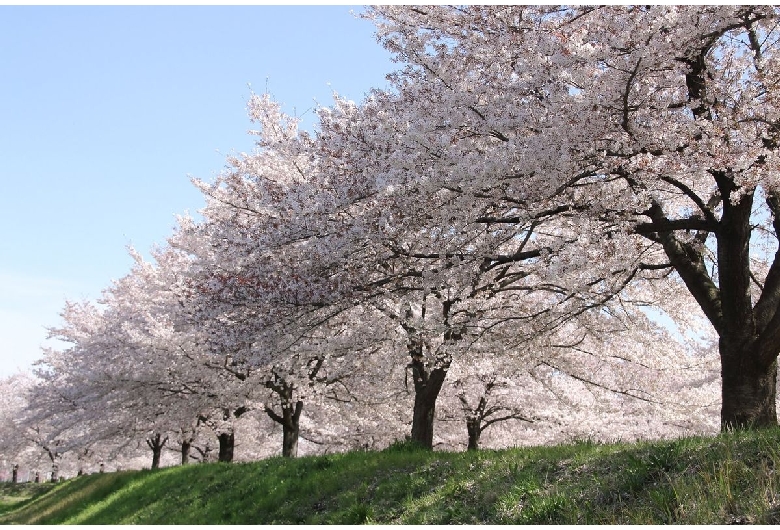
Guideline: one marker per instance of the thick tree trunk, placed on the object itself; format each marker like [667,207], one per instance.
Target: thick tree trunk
[748,377]
[185,452]
[227,442]
[748,391]
[426,390]
[55,472]
[290,421]
[473,428]
[749,332]
[15,474]
[290,440]
[422,418]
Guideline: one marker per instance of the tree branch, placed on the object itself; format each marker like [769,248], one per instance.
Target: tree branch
[767,305]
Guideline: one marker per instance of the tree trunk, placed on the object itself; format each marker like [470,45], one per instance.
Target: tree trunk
[289,420]
[473,428]
[15,474]
[55,472]
[227,442]
[422,418]
[185,452]
[426,390]
[156,444]
[749,333]
[290,440]
[748,377]
[748,391]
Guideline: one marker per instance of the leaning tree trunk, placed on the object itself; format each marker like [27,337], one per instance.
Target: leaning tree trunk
[227,443]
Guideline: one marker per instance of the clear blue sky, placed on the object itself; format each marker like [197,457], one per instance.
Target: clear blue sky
[105,112]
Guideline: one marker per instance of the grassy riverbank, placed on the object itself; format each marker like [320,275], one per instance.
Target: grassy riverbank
[723,479]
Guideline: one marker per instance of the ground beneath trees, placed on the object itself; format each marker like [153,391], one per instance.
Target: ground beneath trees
[725,479]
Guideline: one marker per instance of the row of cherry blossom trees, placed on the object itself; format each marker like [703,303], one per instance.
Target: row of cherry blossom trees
[556,222]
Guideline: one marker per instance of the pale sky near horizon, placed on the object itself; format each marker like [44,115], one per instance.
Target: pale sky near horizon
[105,113]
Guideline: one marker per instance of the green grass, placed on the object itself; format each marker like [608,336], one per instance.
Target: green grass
[12,496]
[723,479]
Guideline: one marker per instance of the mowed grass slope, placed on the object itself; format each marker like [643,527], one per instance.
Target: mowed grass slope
[724,479]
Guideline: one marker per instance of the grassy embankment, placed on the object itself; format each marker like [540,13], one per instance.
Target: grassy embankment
[723,479]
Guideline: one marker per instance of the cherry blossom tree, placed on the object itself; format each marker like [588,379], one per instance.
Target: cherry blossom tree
[484,402]
[278,258]
[251,317]
[132,371]
[381,237]
[18,450]
[654,126]
[197,385]
[349,249]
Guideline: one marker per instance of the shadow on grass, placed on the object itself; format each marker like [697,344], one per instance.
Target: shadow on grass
[65,499]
